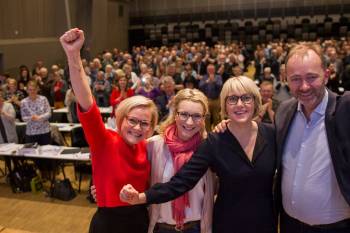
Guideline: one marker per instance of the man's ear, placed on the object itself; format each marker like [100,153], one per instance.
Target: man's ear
[326,75]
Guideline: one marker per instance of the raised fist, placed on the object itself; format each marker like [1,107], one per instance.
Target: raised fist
[72,40]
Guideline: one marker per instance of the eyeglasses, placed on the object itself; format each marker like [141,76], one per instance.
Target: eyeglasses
[196,117]
[233,99]
[144,125]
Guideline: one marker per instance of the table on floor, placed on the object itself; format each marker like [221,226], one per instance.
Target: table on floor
[57,154]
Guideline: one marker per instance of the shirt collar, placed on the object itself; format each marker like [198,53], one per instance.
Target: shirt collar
[321,107]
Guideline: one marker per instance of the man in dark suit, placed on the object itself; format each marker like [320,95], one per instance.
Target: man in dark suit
[199,65]
[163,101]
[313,146]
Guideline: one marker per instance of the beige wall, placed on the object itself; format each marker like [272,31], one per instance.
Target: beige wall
[28,32]
[117,24]
[29,29]
[28,51]
[30,19]
[107,22]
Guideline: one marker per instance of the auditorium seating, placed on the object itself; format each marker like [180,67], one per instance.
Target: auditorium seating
[250,31]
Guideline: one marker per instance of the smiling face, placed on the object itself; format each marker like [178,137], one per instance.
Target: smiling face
[123,83]
[266,91]
[306,79]
[187,128]
[134,125]
[12,85]
[32,90]
[243,111]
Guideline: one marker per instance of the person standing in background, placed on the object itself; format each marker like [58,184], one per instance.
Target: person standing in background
[211,85]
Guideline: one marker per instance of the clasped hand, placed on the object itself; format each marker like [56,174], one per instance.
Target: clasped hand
[129,194]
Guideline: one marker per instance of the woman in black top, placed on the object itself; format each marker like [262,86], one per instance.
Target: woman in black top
[243,158]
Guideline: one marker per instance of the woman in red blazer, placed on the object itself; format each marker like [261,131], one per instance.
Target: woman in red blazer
[120,92]
[117,157]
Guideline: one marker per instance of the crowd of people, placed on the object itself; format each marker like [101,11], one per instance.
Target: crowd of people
[282,137]
[264,171]
[158,73]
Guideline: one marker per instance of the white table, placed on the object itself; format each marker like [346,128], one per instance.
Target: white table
[54,153]
[62,127]
[44,152]
[103,110]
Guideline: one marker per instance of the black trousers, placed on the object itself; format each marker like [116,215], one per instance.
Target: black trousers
[291,225]
[125,219]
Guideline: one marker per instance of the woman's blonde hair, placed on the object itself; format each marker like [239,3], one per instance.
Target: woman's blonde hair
[137,101]
[33,83]
[238,85]
[193,95]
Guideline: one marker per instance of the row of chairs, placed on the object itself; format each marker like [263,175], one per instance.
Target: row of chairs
[250,32]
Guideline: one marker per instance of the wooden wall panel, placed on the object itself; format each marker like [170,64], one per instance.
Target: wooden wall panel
[28,19]
[29,29]
[117,26]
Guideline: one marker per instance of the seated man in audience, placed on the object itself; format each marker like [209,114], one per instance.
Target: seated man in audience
[45,82]
[211,85]
[199,65]
[163,101]
[171,71]
[95,67]
[101,90]
[236,71]
[282,91]
[268,76]
[131,76]
[222,67]
[189,77]
[269,104]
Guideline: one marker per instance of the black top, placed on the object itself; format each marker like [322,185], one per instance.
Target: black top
[244,202]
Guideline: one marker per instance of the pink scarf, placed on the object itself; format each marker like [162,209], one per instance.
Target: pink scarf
[181,152]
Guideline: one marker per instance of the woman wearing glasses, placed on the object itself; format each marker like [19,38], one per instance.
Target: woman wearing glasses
[117,157]
[243,158]
[180,135]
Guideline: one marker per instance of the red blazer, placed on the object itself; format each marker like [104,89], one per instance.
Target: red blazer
[114,162]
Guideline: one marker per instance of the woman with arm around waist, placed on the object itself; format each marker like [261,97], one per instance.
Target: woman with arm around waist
[243,158]
[180,135]
[117,157]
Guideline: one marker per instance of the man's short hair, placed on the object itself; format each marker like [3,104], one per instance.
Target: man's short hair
[302,50]
[168,79]
[266,83]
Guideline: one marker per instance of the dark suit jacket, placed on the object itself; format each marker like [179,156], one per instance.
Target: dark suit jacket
[201,70]
[337,123]
[162,102]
